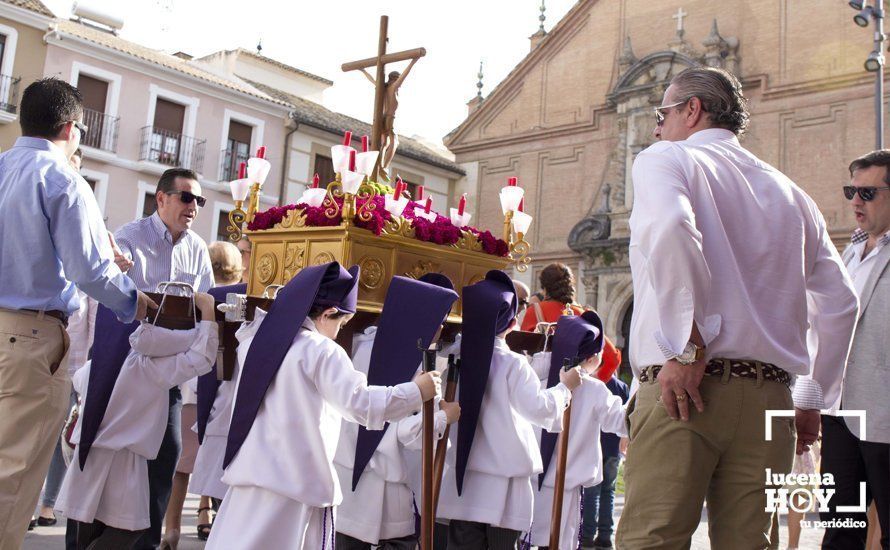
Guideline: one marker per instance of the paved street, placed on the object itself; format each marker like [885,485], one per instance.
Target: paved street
[52,538]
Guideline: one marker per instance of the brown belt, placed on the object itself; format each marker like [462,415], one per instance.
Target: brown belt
[55,314]
[737,369]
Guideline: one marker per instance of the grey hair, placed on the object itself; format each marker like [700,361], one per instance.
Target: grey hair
[720,94]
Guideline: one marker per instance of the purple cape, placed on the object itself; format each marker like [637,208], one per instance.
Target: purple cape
[208,384]
[413,310]
[111,345]
[576,336]
[489,307]
[330,285]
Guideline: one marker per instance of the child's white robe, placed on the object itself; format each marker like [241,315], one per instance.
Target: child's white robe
[497,486]
[113,486]
[386,477]
[206,479]
[282,482]
[594,409]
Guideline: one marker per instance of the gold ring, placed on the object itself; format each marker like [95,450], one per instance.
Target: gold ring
[681,397]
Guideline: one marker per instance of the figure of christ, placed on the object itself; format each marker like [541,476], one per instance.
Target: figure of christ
[389,141]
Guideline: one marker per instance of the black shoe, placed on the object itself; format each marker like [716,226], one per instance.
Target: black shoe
[599,544]
[32,525]
[586,542]
[46,522]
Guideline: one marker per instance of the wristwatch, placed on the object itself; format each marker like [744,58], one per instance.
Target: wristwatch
[691,354]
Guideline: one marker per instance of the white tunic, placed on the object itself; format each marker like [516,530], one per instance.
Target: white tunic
[206,478]
[285,467]
[113,486]
[497,486]
[594,409]
[386,477]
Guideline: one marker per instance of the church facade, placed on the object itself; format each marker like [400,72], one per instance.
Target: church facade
[572,115]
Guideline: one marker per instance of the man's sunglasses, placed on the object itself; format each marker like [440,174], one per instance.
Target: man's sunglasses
[661,111]
[187,197]
[865,193]
[81,126]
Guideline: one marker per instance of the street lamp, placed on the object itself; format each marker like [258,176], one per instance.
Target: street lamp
[875,61]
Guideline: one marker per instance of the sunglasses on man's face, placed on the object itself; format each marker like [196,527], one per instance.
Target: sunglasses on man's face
[81,126]
[187,197]
[865,193]
[661,112]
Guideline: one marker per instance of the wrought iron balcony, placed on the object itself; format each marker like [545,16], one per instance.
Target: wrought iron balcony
[171,148]
[102,132]
[9,93]
[230,161]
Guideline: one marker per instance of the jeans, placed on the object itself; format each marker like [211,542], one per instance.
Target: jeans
[599,502]
[160,474]
[56,473]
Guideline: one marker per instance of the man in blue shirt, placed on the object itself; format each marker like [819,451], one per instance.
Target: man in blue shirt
[53,238]
[164,248]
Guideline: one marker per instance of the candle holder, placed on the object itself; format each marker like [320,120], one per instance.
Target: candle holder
[349,209]
[237,217]
[518,222]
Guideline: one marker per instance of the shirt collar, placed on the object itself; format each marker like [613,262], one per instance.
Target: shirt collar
[860,236]
[710,135]
[162,232]
[41,144]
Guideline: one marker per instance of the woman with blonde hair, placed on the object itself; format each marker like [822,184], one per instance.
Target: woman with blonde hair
[226,260]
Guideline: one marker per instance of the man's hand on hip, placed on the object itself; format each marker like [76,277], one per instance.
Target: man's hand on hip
[679,385]
[807,422]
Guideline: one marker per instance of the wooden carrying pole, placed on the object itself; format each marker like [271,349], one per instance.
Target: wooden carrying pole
[442,447]
[559,484]
[427,518]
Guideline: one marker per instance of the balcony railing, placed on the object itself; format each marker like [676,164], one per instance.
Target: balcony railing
[230,162]
[102,132]
[9,93]
[171,148]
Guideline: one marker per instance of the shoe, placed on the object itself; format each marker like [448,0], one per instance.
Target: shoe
[586,542]
[204,528]
[32,525]
[599,544]
[46,522]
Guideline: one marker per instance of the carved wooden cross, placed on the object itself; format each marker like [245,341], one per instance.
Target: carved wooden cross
[380,62]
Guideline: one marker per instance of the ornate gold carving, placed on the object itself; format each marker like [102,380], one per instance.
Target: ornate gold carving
[322,258]
[519,252]
[367,193]
[293,259]
[294,218]
[421,268]
[237,217]
[372,273]
[399,226]
[267,267]
[335,189]
[469,241]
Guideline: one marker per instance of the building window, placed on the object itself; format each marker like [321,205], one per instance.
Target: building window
[237,149]
[324,167]
[2,51]
[149,205]
[102,132]
[167,132]
[91,182]
[222,223]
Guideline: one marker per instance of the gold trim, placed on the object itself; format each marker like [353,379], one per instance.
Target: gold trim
[294,218]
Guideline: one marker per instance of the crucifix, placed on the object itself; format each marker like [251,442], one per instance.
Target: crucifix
[679,16]
[383,136]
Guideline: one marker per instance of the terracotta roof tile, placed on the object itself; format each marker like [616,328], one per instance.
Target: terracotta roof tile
[32,5]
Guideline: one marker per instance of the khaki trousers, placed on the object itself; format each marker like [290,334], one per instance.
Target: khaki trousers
[720,456]
[34,394]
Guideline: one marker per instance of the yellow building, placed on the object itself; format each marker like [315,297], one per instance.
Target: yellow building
[23,23]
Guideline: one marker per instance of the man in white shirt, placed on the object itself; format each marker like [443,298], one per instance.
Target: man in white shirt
[732,266]
[856,450]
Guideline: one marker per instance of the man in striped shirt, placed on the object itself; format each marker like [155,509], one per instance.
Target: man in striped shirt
[164,248]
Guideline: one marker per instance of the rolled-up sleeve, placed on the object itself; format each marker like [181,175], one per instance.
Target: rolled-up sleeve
[832,309]
[671,245]
[81,241]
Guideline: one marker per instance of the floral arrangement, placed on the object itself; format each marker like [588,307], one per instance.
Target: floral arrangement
[441,231]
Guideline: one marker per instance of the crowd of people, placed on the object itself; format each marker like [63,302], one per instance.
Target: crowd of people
[742,307]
